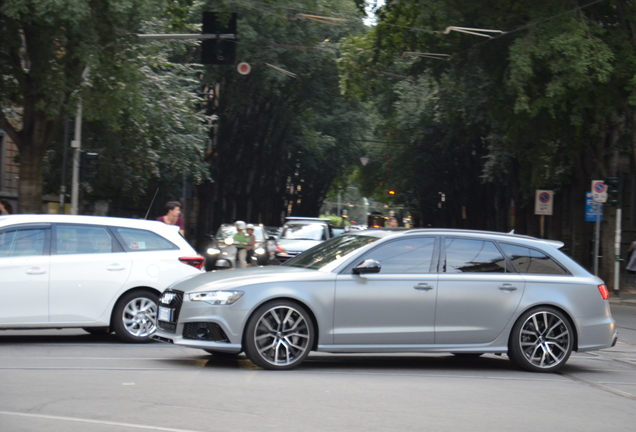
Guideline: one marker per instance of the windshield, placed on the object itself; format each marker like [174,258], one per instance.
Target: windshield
[297,231]
[330,251]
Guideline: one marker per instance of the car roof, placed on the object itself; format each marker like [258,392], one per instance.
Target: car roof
[495,235]
[311,219]
[81,219]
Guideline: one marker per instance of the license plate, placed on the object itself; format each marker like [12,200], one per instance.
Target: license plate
[165,314]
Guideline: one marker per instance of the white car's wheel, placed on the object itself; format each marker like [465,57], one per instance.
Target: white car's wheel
[135,315]
[279,335]
[541,340]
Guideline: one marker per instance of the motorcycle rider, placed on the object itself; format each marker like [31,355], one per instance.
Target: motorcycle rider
[241,241]
[251,245]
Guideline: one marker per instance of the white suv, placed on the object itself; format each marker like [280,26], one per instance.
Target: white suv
[97,273]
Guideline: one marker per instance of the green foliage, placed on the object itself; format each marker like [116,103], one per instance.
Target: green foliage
[536,107]
[282,140]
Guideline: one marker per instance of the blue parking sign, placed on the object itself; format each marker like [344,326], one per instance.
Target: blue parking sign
[592,209]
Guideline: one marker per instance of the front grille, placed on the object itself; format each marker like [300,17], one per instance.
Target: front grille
[172,300]
[204,331]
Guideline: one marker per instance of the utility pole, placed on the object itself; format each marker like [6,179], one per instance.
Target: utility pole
[77,145]
[615,198]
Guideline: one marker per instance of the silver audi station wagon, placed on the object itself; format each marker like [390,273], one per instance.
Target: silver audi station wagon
[382,291]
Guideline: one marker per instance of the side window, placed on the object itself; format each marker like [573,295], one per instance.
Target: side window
[473,256]
[142,240]
[413,255]
[531,261]
[23,242]
[80,239]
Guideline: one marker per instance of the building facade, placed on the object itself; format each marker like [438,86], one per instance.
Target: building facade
[8,170]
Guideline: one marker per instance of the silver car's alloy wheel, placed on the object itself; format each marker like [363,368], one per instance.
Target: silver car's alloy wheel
[280,336]
[542,341]
[135,315]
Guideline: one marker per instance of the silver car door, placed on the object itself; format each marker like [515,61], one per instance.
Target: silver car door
[395,306]
[477,292]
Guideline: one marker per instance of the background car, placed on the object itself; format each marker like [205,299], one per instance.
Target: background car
[301,233]
[462,292]
[95,273]
[222,255]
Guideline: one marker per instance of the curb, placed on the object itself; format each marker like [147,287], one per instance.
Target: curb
[622,301]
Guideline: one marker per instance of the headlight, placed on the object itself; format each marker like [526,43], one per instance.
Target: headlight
[229,241]
[217,297]
[213,251]
[259,251]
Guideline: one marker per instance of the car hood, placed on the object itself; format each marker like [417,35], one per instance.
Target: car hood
[233,278]
[297,245]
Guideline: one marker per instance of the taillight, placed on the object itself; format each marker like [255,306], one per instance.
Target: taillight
[196,261]
[604,291]
[279,248]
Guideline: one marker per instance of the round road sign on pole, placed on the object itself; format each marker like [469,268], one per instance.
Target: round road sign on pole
[599,191]
[244,68]
[543,202]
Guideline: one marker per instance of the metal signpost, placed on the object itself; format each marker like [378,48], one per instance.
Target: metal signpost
[542,207]
[599,196]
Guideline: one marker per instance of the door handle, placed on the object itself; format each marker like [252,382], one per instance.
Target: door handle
[423,287]
[507,287]
[115,267]
[35,271]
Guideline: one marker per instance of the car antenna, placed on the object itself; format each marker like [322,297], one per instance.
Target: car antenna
[151,203]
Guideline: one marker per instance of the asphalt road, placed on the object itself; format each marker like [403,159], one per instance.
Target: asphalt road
[68,380]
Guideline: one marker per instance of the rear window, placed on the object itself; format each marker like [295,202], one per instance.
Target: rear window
[531,261]
[135,240]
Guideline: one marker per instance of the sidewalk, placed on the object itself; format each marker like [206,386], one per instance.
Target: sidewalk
[627,296]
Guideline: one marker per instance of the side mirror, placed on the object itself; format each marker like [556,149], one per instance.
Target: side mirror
[367,266]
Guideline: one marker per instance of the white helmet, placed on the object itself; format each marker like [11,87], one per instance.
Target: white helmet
[249,226]
[240,224]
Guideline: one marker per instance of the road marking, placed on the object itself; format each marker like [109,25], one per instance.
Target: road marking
[100,422]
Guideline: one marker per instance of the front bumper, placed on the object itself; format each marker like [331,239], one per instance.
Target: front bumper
[196,326]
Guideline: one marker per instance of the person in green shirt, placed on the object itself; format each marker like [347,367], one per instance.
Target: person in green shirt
[241,241]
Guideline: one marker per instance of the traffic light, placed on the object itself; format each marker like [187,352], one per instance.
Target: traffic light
[89,164]
[218,51]
[391,192]
[614,191]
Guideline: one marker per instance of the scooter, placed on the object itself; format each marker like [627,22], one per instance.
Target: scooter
[226,254]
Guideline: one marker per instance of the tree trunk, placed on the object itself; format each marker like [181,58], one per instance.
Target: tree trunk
[30,185]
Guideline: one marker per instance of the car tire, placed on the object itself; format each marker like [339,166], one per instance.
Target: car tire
[135,315]
[541,340]
[279,335]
